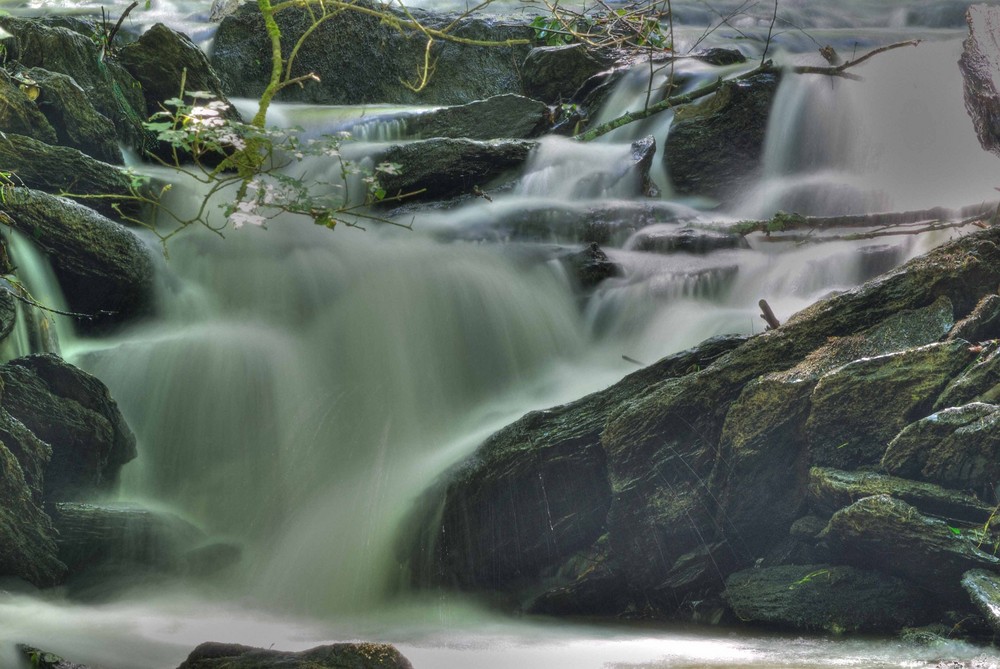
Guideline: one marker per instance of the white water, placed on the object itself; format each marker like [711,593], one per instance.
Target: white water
[299,387]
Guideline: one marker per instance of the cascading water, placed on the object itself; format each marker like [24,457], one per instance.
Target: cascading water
[298,388]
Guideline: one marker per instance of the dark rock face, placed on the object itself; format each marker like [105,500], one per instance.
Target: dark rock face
[336,656]
[157,60]
[825,597]
[715,149]
[112,90]
[72,412]
[72,114]
[958,447]
[499,117]
[445,168]
[883,533]
[60,169]
[980,65]
[8,307]
[20,115]
[980,382]
[554,74]
[982,324]
[360,59]
[102,267]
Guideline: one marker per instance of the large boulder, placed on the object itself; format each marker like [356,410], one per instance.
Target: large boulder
[980,382]
[104,270]
[161,59]
[78,124]
[434,169]
[362,59]
[63,170]
[111,89]
[503,116]
[554,74]
[716,148]
[980,65]
[336,656]
[825,597]
[73,412]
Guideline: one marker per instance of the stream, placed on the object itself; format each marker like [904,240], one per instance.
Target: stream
[298,388]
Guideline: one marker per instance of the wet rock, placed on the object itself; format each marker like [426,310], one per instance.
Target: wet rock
[687,240]
[32,453]
[980,382]
[715,148]
[887,534]
[831,489]
[982,324]
[718,56]
[535,493]
[980,66]
[361,59]
[102,267]
[984,590]
[643,151]
[71,113]
[958,447]
[824,597]
[118,538]
[554,74]
[860,407]
[8,307]
[442,168]
[20,115]
[588,585]
[40,659]
[112,90]
[336,656]
[27,538]
[59,169]
[160,58]
[72,412]
[502,116]
[590,266]
[222,8]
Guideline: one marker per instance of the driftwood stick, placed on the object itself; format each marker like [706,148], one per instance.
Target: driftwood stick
[768,315]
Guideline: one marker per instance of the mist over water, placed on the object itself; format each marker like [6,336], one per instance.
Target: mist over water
[299,388]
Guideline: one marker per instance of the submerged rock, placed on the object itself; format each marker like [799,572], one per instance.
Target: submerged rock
[503,116]
[590,266]
[336,656]
[361,59]
[687,240]
[73,412]
[980,66]
[715,148]
[825,597]
[103,269]
[441,168]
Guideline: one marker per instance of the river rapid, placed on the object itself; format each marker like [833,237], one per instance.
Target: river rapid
[298,388]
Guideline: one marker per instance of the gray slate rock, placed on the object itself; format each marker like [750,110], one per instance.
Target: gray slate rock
[102,267]
[554,74]
[825,597]
[337,656]
[73,412]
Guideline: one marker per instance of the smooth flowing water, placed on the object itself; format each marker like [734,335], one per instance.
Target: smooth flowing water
[298,388]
